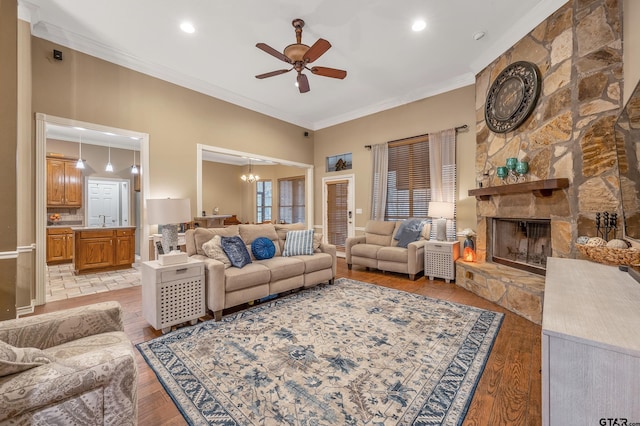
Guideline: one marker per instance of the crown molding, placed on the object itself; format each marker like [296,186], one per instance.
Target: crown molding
[415,95]
[90,47]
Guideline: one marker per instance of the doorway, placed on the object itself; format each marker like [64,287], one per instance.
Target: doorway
[338,206]
[44,123]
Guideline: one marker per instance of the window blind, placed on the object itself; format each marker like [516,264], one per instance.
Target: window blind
[408,182]
[291,199]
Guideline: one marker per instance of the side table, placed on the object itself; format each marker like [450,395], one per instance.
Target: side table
[172,294]
[440,258]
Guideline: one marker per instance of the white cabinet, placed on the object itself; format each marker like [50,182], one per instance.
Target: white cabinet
[590,344]
[440,258]
[172,294]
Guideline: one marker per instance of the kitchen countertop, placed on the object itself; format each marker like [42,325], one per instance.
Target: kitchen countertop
[87,228]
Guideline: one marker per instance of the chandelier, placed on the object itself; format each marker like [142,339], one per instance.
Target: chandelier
[251,178]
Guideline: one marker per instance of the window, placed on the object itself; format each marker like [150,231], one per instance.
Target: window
[292,199]
[408,179]
[264,199]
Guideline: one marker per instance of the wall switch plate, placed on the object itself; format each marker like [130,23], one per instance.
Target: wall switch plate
[358,211]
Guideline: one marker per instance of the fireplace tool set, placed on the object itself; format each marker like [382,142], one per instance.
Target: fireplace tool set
[605,223]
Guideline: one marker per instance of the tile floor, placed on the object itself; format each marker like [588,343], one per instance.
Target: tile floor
[62,283]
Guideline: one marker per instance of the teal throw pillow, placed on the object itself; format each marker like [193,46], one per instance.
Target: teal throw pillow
[236,251]
[263,248]
[298,243]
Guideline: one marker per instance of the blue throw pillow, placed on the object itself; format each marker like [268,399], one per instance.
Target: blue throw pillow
[263,248]
[409,231]
[236,251]
[298,243]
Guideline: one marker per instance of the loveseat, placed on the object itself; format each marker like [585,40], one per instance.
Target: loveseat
[383,247]
[72,367]
[228,285]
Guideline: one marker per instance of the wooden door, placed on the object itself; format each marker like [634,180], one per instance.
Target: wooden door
[92,253]
[72,185]
[56,247]
[338,213]
[69,245]
[55,182]
[124,247]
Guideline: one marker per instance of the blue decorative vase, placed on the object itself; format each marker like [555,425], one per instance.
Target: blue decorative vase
[468,242]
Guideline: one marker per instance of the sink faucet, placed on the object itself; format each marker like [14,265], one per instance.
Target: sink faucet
[104,218]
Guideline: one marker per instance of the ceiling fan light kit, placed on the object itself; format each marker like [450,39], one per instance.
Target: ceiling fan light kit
[299,56]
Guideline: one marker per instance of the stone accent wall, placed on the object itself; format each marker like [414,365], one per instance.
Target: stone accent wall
[578,51]
[519,291]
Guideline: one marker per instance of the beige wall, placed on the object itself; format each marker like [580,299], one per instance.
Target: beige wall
[440,112]
[222,188]
[8,145]
[84,88]
[631,46]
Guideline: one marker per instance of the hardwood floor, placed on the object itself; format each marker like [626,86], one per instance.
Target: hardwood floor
[509,392]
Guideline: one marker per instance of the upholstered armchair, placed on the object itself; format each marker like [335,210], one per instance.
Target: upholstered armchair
[72,367]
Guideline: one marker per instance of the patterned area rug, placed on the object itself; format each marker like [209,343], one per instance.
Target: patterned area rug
[350,353]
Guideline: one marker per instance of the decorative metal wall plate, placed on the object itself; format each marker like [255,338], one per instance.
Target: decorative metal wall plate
[512,97]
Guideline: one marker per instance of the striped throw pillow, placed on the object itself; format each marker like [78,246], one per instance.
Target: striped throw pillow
[298,243]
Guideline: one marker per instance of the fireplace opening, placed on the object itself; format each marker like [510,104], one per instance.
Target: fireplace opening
[521,243]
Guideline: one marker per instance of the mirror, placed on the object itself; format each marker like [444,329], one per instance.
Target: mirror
[627,134]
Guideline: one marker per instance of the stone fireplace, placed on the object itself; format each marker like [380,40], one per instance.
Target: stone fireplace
[569,135]
[520,243]
[532,226]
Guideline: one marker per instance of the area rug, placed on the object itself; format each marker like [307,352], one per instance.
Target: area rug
[349,353]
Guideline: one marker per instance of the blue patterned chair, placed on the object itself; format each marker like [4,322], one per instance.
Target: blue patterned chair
[72,367]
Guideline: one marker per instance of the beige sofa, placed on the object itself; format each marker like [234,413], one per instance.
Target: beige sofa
[232,286]
[378,249]
[68,367]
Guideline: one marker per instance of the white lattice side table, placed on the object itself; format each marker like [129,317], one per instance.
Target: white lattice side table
[440,258]
[172,294]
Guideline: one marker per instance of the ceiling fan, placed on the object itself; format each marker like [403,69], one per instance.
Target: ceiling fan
[299,55]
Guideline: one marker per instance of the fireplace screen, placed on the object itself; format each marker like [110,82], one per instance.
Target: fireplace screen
[523,244]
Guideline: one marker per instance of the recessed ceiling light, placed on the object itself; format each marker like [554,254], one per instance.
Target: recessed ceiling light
[187,27]
[419,25]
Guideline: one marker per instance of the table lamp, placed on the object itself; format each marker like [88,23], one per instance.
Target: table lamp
[441,211]
[170,213]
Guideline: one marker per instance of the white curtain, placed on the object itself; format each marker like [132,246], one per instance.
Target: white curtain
[442,168]
[380,154]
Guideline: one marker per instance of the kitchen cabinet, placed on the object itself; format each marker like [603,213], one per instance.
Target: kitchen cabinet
[59,245]
[64,183]
[125,246]
[103,249]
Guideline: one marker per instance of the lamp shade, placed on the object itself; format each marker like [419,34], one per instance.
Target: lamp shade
[441,209]
[164,211]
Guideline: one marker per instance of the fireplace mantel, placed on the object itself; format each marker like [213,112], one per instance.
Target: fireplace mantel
[539,188]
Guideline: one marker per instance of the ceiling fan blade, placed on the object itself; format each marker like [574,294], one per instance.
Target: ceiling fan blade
[273,52]
[317,50]
[303,83]
[272,73]
[329,72]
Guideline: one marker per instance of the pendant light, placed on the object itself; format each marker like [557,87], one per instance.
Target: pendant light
[80,163]
[109,167]
[134,168]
